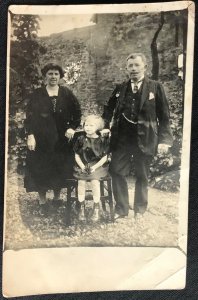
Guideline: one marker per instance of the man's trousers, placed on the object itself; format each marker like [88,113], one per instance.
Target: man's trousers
[125,150]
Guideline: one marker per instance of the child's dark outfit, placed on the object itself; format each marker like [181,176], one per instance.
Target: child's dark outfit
[91,150]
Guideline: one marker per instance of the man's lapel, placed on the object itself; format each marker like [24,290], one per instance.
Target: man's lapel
[123,91]
[144,94]
[121,99]
[145,91]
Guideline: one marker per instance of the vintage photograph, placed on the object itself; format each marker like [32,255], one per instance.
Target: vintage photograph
[96,107]
[97,146]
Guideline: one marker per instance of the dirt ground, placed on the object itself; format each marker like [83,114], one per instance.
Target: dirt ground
[26,228]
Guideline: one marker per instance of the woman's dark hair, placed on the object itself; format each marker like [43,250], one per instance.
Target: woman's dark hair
[52,66]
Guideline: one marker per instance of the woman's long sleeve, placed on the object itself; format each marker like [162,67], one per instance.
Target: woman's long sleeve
[76,116]
[29,117]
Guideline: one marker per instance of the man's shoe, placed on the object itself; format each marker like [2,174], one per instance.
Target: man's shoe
[117,216]
[139,217]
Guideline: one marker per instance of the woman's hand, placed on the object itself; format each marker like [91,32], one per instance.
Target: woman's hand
[69,133]
[31,143]
[105,133]
[83,168]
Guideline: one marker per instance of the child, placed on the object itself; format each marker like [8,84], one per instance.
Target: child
[91,156]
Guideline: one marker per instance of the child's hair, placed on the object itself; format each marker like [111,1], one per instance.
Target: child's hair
[98,120]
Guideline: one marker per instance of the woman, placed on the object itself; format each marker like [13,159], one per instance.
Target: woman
[53,113]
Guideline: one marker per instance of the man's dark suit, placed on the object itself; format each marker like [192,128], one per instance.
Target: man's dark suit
[138,140]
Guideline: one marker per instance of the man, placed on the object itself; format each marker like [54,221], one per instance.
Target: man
[139,116]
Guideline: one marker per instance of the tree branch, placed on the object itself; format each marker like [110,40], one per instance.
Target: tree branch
[154,50]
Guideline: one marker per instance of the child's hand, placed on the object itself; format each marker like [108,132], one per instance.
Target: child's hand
[87,169]
[83,168]
[92,169]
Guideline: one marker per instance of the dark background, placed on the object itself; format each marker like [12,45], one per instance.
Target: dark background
[191,290]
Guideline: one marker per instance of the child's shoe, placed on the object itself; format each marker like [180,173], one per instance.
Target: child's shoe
[81,216]
[96,213]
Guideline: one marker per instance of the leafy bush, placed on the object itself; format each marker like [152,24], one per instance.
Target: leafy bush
[25,75]
[165,169]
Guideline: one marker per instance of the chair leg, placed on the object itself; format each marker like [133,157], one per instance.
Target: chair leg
[110,199]
[69,205]
[102,195]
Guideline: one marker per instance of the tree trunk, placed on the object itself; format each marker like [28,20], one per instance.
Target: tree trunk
[154,50]
[176,33]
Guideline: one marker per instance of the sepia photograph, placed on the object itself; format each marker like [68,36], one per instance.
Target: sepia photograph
[98,134]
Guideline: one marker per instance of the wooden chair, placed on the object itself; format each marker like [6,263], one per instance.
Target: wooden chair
[105,195]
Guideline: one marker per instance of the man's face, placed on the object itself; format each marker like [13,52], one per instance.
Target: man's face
[135,68]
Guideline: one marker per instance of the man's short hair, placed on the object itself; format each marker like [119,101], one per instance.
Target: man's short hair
[134,55]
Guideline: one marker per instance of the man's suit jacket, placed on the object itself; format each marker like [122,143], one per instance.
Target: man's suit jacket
[153,117]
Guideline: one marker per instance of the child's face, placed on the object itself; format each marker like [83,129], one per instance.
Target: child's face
[90,127]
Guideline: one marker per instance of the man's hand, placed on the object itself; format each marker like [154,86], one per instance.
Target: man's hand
[105,133]
[69,133]
[31,143]
[163,149]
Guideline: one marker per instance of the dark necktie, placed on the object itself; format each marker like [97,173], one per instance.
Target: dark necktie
[135,88]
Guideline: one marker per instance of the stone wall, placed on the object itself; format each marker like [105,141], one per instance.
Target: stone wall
[102,50]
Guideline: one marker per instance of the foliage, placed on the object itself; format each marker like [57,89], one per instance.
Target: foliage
[98,75]
[126,24]
[17,142]
[24,26]
[72,72]
[25,52]
[165,169]
[154,50]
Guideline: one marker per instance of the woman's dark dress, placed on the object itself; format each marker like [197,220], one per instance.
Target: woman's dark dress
[47,119]
[91,150]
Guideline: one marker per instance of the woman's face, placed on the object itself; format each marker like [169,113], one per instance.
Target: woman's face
[52,77]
